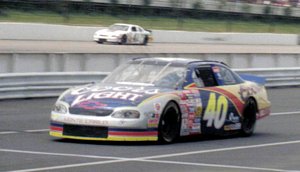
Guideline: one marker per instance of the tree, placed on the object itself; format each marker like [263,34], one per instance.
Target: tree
[288,11]
[147,2]
[197,5]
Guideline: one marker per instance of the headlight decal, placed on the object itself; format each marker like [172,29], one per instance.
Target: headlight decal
[127,114]
[60,108]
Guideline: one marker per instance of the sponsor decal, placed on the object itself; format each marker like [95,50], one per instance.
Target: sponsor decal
[197,120]
[82,121]
[91,105]
[106,95]
[153,123]
[107,92]
[236,126]
[247,91]
[198,111]
[97,89]
[157,107]
[190,106]
[196,128]
[233,118]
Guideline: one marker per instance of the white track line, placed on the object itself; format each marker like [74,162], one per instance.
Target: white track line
[220,150]
[68,166]
[217,165]
[285,113]
[62,154]
[8,132]
[36,131]
[25,131]
[149,158]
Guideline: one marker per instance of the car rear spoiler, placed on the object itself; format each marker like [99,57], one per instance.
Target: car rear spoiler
[253,78]
[148,30]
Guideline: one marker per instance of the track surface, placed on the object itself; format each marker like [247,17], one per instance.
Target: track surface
[26,146]
[9,46]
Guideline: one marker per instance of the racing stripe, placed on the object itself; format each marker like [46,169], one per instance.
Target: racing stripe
[234,99]
[53,128]
[132,132]
[149,133]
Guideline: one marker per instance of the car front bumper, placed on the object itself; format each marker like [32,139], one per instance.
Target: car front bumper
[107,39]
[104,128]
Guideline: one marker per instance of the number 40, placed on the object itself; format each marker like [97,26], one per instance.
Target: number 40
[216,111]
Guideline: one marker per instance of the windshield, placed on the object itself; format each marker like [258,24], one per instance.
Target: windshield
[141,73]
[118,27]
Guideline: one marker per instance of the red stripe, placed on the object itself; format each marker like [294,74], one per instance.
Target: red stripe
[56,128]
[234,99]
[147,133]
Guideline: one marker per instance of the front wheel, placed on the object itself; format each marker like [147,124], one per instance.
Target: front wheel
[123,40]
[145,42]
[169,125]
[249,118]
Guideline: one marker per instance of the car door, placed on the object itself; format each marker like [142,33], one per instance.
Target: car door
[221,104]
[133,35]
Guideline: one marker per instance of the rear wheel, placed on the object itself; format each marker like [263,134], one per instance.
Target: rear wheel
[169,125]
[249,118]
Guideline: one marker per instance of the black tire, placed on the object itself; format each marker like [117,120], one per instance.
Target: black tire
[249,118]
[169,125]
[145,42]
[123,40]
[100,42]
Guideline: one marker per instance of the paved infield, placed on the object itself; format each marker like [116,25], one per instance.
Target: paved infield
[8,46]
[26,146]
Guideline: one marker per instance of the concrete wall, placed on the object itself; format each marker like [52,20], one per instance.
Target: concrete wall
[99,62]
[24,31]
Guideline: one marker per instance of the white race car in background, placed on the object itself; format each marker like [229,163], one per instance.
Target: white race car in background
[123,34]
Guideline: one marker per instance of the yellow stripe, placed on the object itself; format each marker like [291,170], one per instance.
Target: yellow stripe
[110,138]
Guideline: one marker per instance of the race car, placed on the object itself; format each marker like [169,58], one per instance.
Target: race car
[161,99]
[123,34]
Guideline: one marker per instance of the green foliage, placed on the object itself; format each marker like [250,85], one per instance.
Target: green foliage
[246,8]
[197,5]
[114,2]
[222,4]
[175,3]
[288,11]
[147,2]
[268,10]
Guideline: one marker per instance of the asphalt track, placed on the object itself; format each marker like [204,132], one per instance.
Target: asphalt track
[26,146]
[12,46]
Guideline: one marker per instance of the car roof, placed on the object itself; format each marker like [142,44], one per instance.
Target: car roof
[179,61]
[124,24]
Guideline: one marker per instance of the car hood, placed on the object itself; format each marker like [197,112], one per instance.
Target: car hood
[109,32]
[109,96]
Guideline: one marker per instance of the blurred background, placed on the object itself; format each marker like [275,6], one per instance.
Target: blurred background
[267,16]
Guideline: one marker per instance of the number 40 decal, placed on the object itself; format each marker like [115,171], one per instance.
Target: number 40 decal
[216,111]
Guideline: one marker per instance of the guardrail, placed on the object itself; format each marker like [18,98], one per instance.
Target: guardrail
[276,77]
[30,85]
